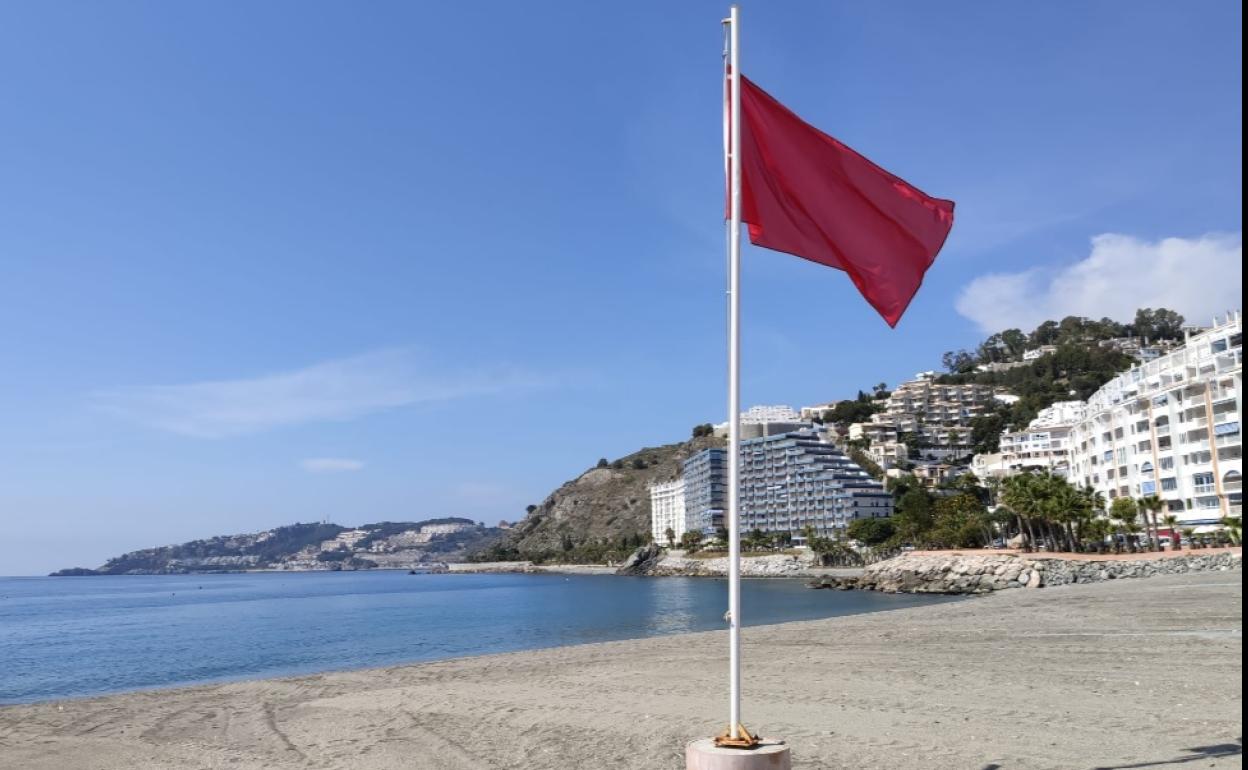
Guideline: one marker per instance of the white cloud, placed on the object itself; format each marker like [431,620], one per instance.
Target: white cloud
[1199,277]
[331,464]
[337,390]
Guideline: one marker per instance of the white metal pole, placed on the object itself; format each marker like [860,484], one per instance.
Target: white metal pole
[734,375]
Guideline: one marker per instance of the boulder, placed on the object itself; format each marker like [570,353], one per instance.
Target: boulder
[642,561]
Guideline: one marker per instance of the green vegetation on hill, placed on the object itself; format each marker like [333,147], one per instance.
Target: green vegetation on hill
[1009,345]
[1074,371]
[859,409]
[600,516]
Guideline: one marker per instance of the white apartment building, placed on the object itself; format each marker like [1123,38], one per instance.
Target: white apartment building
[766,420]
[816,412]
[1171,427]
[770,413]
[1040,352]
[667,510]
[1043,446]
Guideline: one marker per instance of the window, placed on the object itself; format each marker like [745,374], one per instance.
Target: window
[1169,484]
[1167,463]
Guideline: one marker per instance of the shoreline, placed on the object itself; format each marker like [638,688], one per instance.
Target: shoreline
[1073,676]
[245,679]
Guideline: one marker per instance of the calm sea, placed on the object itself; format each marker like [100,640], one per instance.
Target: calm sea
[63,637]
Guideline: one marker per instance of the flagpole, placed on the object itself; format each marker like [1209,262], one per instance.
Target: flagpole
[734,374]
[735,748]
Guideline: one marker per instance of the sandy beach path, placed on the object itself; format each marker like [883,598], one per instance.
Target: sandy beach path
[1125,674]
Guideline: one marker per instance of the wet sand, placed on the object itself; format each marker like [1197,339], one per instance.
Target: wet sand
[1123,674]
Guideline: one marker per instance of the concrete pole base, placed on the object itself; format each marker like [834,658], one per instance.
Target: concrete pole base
[705,755]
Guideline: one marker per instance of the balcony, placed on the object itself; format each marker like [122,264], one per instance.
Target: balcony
[1204,489]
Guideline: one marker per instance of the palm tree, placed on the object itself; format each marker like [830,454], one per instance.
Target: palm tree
[1124,511]
[671,537]
[1097,530]
[1233,525]
[1093,503]
[1150,505]
[1019,495]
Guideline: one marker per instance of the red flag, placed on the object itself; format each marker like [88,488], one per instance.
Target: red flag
[806,194]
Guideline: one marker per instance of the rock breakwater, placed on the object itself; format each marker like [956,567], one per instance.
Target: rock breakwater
[963,573]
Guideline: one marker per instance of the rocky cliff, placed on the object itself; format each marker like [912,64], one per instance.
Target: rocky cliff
[605,507]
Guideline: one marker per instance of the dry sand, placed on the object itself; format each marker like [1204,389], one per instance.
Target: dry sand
[1125,674]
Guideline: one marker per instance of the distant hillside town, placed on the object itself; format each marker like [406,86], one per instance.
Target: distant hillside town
[1092,412]
[319,546]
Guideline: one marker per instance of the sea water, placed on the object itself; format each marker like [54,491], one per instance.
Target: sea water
[65,637]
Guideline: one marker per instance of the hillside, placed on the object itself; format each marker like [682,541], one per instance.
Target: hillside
[1082,355]
[600,515]
[392,545]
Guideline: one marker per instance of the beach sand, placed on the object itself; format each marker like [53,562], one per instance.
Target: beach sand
[1124,674]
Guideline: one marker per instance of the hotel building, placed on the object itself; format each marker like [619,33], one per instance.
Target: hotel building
[793,481]
[788,482]
[667,510]
[706,491]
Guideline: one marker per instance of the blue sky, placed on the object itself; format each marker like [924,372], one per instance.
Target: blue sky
[264,263]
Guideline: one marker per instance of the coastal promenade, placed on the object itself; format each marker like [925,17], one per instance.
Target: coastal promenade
[1121,674]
